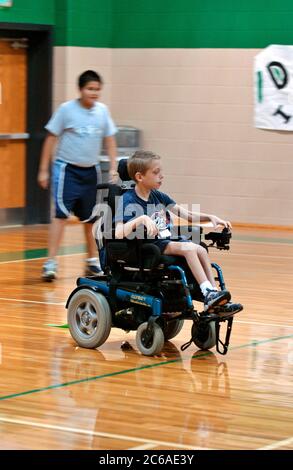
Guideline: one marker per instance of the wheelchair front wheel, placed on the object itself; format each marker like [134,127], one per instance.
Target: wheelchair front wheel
[172,329]
[89,318]
[204,335]
[154,345]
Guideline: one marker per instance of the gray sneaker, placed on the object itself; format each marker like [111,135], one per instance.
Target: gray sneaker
[214,297]
[49,270]
[227,310]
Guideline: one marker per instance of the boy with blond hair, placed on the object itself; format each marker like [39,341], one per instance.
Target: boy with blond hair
[145,205]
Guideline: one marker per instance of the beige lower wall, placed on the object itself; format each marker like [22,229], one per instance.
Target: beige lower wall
[70,62]
[195,108]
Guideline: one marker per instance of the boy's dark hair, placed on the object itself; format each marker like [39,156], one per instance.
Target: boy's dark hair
[89,76]
[140,162]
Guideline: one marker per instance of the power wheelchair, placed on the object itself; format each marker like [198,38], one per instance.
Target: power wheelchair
[143,290]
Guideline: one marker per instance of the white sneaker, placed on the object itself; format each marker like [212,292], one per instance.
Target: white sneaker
[93,270]
[49,270]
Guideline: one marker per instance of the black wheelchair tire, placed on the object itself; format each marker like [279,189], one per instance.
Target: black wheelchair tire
[173,328]
[157,342]
[86,302]
[204,338]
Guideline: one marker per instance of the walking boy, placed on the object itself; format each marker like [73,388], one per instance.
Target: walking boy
[146,205]
[77,130]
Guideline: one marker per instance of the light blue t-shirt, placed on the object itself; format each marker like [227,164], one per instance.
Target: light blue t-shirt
[81,132]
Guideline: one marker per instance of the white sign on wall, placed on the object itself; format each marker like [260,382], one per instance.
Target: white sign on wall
[5,3]
[273,86]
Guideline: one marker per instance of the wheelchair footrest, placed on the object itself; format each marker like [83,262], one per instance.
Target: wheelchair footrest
[219,343]
[205,333]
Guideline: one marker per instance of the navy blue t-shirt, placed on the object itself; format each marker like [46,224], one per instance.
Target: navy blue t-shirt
[131,206]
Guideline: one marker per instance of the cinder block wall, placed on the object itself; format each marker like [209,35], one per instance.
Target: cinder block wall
[183,74]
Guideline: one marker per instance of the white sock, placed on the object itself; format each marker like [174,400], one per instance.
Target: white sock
[204,286]
[92,261]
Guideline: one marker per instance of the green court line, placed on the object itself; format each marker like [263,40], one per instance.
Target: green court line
[40,253]
[57,326]
[135,369]
[79,249]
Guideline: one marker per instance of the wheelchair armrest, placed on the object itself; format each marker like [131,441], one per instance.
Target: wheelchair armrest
[220,240]
[188,231]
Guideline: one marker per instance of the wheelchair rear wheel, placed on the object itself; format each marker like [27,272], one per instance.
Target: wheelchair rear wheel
[204,335]
[89,318]
[154,345]
[172,329]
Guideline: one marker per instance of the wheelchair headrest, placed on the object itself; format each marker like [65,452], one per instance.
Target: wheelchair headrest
[122,170]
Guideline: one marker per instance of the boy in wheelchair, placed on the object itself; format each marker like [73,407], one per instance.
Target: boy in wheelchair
[146,206]
[151,279]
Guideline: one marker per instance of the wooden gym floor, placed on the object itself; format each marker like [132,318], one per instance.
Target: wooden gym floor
[55,395]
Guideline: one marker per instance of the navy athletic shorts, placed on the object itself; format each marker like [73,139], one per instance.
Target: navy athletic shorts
[74,190]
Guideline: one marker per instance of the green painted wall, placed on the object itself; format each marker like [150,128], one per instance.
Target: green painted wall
[29,11]
[77,23]
[202,23]
[88,23]
[60,31]
[160,23]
